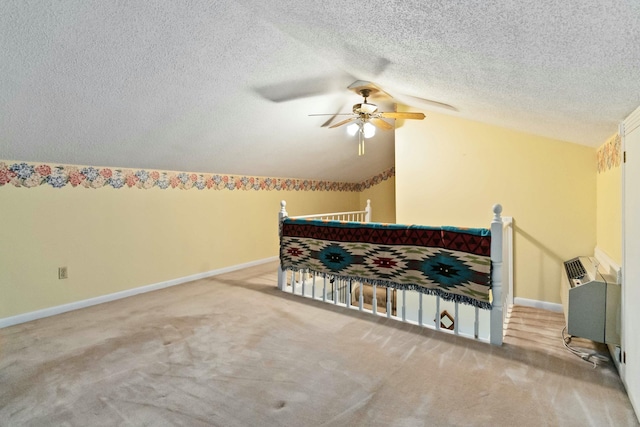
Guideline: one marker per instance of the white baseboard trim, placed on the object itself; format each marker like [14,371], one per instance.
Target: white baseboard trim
[551,306]
[52,311]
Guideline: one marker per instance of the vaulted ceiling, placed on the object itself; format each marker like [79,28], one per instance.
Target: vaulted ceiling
[228,86]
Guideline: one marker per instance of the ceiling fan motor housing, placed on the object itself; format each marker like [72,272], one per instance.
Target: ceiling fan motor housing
[365,107]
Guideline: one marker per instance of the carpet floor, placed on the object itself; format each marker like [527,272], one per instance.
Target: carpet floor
[232,350]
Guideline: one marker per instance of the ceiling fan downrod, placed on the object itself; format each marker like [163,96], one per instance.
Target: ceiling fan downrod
[365,94]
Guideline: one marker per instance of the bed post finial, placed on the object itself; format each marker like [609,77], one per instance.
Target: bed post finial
[497,210]
[283,211]
[282,280]
[367,216]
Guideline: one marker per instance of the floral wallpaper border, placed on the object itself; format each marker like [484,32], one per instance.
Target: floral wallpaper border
[33,175]
[609,154]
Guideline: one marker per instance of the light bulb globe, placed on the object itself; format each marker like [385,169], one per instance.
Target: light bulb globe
[353,128]
[369,130]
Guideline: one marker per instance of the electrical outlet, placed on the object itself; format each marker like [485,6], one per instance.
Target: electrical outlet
[62,273]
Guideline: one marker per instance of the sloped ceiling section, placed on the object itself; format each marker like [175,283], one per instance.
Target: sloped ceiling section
[226,87]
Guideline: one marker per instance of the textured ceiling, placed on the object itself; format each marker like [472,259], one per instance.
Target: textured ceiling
[212,86]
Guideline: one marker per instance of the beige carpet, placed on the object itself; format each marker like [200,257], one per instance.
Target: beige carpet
[233,351]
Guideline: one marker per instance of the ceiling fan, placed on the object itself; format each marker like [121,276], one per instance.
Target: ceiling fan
[365,116]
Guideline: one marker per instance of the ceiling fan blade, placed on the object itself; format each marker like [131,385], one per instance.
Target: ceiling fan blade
[418,116]
[331,114]
[328,121]
[417,102]
[377,93]
[380,124]
[344,122]
[303,88]
[365,58]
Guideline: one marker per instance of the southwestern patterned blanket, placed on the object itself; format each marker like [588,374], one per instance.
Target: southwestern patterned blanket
[453,263]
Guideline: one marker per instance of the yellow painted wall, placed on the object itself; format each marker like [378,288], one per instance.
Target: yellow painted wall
[450,171]
[383,200]
[117,239]
[609,206]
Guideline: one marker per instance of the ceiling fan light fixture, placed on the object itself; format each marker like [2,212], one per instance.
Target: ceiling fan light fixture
[369,130]
[365,117]
[353,128]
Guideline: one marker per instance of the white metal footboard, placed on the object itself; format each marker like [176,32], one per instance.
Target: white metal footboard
[412,306]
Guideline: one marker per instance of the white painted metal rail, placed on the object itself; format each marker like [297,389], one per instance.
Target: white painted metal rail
[356,216]
[412,306]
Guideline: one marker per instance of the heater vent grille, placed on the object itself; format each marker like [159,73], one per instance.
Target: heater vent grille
[574,268]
